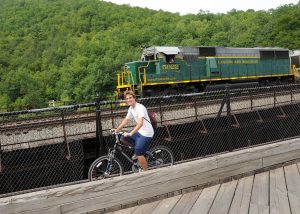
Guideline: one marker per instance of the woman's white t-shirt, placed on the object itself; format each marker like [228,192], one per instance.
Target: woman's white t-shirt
[137,112]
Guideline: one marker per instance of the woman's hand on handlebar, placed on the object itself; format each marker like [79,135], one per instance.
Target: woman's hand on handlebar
[127,134]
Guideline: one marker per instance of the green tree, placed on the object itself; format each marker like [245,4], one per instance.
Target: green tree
[70,50]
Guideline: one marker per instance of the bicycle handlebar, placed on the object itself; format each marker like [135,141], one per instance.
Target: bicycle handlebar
[116,133]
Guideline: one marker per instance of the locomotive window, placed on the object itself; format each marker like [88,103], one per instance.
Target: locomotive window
[282,54]
[267,54]
[149,58]
[296,60]
[170,58]
[207,51]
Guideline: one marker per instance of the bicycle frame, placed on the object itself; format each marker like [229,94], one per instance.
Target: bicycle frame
[111,154]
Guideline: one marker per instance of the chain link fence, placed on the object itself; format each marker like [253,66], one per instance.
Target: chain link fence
[43,147]
[200,125]
[55,146]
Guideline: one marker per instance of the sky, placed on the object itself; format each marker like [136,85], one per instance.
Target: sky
[214,6]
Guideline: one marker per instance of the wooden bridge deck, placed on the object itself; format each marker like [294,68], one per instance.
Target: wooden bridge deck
[274,191]
[272,185]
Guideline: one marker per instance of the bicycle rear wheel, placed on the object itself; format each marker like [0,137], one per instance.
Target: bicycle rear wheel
[160,156]
[105,167]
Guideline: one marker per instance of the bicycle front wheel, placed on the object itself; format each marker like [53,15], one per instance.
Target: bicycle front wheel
[160,156]
[105,167]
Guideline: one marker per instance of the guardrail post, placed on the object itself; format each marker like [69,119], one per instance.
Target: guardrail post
[100,149]
[251,99]
[228,119]
[68,156]
[227,94]
[196,111]
[274,99]
[161,112]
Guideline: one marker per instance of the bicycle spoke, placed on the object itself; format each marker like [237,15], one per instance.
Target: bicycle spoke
[104,167]
[159,157]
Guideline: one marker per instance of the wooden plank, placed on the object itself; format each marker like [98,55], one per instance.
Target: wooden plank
[281,158]
[132,194]
[205,200]
[241,200]
[102,188]
[100,194]
[293,186]
[260,194]
[186,202]
[279,202]
[224,197]
[49,210]
[126,211]
[166,205]
[146,208]
[279,148]
[259,152]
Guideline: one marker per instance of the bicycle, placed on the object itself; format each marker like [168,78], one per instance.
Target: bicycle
[109,166]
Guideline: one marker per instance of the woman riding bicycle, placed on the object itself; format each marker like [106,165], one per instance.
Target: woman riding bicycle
[141,135]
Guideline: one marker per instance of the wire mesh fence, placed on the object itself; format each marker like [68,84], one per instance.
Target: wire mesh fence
[199,125]
[40,166]
[45,147]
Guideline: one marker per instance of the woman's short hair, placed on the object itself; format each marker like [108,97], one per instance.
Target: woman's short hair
[129,93]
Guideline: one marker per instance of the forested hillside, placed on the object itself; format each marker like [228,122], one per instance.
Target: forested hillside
[70,50]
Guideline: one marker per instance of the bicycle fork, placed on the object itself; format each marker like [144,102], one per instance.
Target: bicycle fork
[109,164]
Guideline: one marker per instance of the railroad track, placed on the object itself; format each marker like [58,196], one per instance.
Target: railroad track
[68,124]
[13,121]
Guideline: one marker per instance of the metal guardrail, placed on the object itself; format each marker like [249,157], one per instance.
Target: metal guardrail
[54,146]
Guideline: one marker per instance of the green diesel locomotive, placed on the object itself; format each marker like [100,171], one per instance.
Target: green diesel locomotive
[174,70]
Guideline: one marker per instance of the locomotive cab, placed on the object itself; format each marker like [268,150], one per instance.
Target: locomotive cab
[157,64]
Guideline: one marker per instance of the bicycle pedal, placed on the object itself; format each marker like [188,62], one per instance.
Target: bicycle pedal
[135,168]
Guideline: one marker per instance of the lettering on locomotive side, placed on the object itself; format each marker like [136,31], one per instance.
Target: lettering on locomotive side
[161,79]
[239,61]
[170,67]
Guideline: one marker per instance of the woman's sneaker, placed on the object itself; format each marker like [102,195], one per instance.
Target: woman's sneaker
[136,167]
